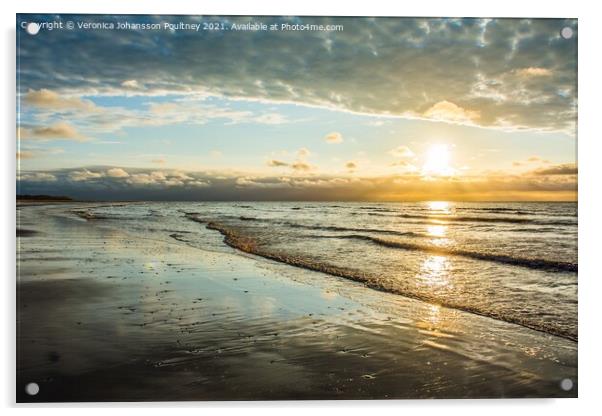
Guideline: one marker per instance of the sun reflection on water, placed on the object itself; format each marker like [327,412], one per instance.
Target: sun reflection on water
[435,271]
[440,207]
[436,230]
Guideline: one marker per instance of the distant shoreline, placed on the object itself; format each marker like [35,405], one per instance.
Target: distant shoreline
[44,198]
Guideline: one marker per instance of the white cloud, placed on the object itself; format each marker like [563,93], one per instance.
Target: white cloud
[180,175]
[37,177]
[140,179]
[117,173]
[448,111]
[84,175]
[130,83]
[251,182]
[170,178]
[534,72]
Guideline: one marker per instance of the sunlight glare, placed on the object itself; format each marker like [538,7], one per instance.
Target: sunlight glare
[438,161]
[439,206]
[436,230]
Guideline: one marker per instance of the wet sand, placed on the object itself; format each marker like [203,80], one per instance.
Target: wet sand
[105,315]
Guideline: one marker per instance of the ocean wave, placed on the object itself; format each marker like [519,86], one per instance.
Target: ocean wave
[335,228]
[483,219]
[249,245]
[512,211]
[89,215]
[531,263]
[377,209]
[179,237]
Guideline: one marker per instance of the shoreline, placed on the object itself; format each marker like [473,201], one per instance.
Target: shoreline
[118,317]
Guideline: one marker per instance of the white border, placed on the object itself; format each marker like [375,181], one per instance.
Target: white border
[590,206]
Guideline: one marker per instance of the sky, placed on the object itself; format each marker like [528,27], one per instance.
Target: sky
[384,109]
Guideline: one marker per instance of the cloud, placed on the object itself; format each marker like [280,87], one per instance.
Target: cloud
[33,152]
[163,179]
[253,183]
[530,161]
[48,99]
[130,83]
[180,175]
[301,166]
[534,72]
[37,177]
[563,169]
[334,137]
[158,161]
[402,152]
[303,152]
[270,118]
[404,164]
[511,73]
[141,179]
[57,131]
[401,163]
[351,166]
[117,173]
[47,106]
[448,111]
[192,112]
[147,184]
[84,175]
[25,154]
[276,163]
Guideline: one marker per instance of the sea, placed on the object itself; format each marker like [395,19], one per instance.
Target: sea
[509,261]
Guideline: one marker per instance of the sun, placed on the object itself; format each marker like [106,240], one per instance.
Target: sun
[438,161]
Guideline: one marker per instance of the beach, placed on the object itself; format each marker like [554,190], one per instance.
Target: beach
[152,309]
